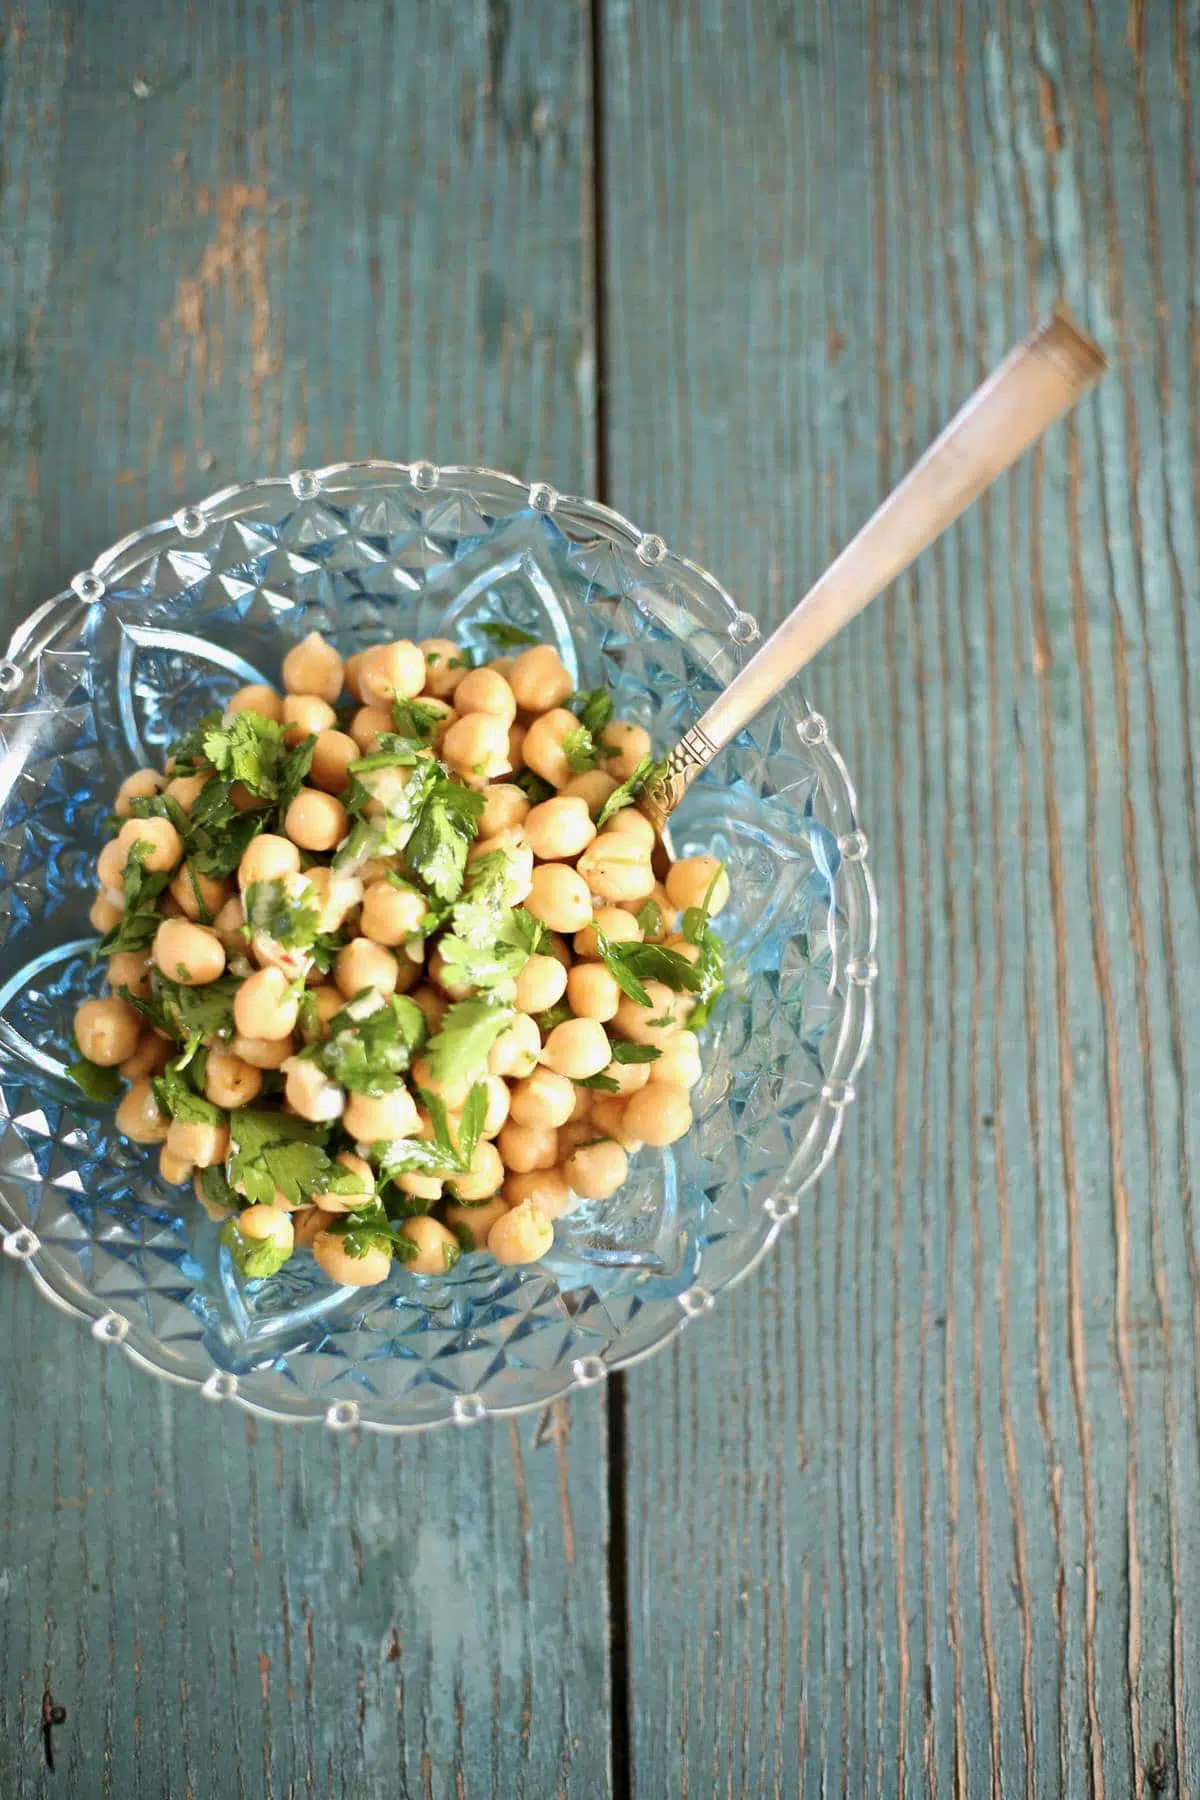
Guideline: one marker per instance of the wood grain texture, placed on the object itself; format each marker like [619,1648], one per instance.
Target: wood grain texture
[917,1511]
[236,239]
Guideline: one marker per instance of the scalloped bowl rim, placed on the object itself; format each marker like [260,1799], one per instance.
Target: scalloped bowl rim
[189,521]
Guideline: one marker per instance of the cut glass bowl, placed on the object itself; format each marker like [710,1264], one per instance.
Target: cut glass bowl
[165,625]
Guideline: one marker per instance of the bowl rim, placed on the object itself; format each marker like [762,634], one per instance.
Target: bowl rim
[54,619]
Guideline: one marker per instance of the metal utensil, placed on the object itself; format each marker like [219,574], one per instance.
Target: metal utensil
[1035,385]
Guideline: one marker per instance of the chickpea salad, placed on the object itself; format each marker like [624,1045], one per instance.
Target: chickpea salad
[391,973]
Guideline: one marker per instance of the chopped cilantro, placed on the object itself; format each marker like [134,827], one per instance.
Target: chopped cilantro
[531,931]
[534,787]
[710,965]
[635,1053]
[217,1190]
[631,964]
[179,1100]
[404,813]
[368,1054]
[593,710]
[416,720]
[579,748]
[161,806]
[393,753]
[255,1258]
[271,1150]
[649,918]
[468,1030]
[367,1228]
[219,833]
[555,1015]
[137,925]
[96,1083]
[449,821]
[187,754]
[250,749]
[270,908]
[605,1083]
[464,1234]
[294,766]
[645,775]
[499,631]
[191,1012]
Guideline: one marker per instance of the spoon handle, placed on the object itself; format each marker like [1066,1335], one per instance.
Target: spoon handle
[1035,385]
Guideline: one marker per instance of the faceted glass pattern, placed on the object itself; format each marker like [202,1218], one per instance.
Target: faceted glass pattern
[168,623]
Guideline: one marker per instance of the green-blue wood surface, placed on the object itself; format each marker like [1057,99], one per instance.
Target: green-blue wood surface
[917,1509]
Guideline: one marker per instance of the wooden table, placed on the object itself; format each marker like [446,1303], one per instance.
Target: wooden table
[917,1510]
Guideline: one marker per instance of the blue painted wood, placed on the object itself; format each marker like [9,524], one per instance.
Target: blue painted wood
[232,240]
[918,1510]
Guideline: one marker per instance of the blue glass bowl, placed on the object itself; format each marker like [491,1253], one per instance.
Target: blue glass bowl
[166,624]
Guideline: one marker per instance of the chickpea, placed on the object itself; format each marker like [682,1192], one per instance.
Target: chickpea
[577,1048]
[333,753]
[616,867]
[483,691]
[596,1171]
[631,742]
[539,679]
[165,846]
[660,1114]
[483,1178]
[151,1057]
[391,914]
[583,1105]
[515,1052]
[316,820]
[592,992]
[110,870]
[307,1222]
[199,896]
[173,1169]
[350,673]
[367,727]
[437,1248]
[139,1117]
[192,954]
[477,1218]
[265,1006]
[107,1031]
[526,1147]
[518,858]
[477,744]
[143,784]
[637,1022]
[445,666]
[386,787]
[543,746]
[453,1092]
[267,858]
[689,880]
[571,1135]
[310,1093]
[267,1224]
[593,787]
[497,1106]
[377,868]
[313,667]
[228,926]
[629,1077]
[608,1121]
[502,665]
[679,1065]
[243,800]
[421,1187]
[228,1081]
[380,1119]
[390,672]
[257,698]
[633,823]
[544,1188]
[542,1098]
[559,828]
[130,969]
[262,1053]
[185,790]
[559,897]
[363,964]
[305,716]
[193,1141]
[104,913]
[334,1260]
[504,808]
[364,1190]
[618,926]
[541,984]
[521,1236]
[432,1004]
[516,744]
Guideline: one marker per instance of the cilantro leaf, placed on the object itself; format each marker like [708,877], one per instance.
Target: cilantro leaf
[468,1030]
[393,753]
[367,1228]
[532,933]
[554,1015]
[255,1258]
[178,1098]
[137,925]
[449,821]
[368,1054]
[634,1053]
[534,787]
[219,833]
[97,1083]
[294,766]
[161,806]
[270,1150]
[404,813]
[216,1188]
[605,1083]
[645,775]
[416,720]
[710,968]
[593,710]
[250,749]
[631,964]
[649,918]
[579,748]
[187,754]
[492,968]
[291,921]
[191,1012]
[508,637]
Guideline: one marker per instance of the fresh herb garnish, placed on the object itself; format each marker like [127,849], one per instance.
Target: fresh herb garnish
[459,1048]
[178,1098]
[290,919]
[649,918]
[593,709]
[449,821]
[404,810]
[416,720]
[605,1083]
[534,787]
[508,637]
[645,775]
[293,770]
[137,925]
[270,1150]
[218,833]
[96,1082]
[255,1258]
[579,748]
[250,749]
[367,1054]
[635,1053]
[216,1188]
[187,754]
[554,1015]
[710,964]
[631,964]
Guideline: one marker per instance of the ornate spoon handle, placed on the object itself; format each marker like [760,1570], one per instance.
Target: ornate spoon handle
[1035,385]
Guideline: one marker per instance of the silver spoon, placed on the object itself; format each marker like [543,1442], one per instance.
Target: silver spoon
[1036,384]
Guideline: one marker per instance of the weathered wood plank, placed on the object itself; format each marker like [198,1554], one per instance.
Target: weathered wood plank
[915,1511]
[238,239]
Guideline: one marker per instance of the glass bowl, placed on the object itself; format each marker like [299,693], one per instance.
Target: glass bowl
[165,625]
